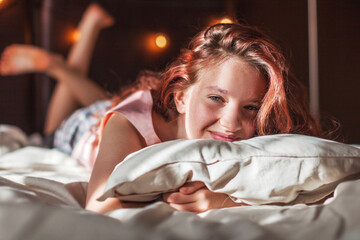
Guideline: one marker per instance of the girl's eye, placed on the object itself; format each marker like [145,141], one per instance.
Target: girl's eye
[216,98]
[252,108]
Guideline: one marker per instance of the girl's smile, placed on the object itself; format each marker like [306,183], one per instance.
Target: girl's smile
[223,103]
[223,137]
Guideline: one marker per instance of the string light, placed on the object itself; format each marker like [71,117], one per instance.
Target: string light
[74,35]
[6,3]
[157,42]
[226,20]
[160,41]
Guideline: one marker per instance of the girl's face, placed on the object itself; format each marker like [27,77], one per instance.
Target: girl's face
[223,103]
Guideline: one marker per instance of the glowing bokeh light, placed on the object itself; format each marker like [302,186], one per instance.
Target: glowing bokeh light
[226,20]
[75,35]
[160,41]
[1,1]
[157,42]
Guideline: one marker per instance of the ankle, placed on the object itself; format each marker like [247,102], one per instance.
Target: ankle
[56,65]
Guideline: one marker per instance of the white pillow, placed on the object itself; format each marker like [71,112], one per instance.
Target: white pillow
[282,168]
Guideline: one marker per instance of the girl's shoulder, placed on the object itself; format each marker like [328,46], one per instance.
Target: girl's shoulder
[137,109]
[120,130]
[138,101]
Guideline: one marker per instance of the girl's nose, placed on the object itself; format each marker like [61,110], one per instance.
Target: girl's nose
[230,120]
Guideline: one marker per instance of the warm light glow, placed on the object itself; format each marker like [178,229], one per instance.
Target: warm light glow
[156,42]
[160,41]
[75,35]
[226,20]
[1,1]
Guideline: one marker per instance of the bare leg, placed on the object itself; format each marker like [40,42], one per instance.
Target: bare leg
[18,59]
[38,60]
[65,100]
[94,19]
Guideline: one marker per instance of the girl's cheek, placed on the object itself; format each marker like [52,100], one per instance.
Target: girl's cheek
[249,127]
[210,107]
[249,115]
[209,111]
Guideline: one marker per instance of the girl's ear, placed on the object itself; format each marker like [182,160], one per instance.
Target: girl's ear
[179,98]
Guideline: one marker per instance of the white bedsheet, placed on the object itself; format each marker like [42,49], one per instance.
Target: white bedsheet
[42,193]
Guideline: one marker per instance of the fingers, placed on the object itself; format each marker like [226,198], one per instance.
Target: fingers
[187,189]
[195,197]
[197,202]
[201,201]
[191,187]
[178,198]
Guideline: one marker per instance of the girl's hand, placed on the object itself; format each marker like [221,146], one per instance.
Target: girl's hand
[196,197]
[191,187]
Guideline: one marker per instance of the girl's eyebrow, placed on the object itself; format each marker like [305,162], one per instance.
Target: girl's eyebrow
[223,91]
[216,88]
[257,101]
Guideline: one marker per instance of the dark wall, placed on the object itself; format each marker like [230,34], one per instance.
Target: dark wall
[119,54]
[16,93]
[339,60]
[286,22]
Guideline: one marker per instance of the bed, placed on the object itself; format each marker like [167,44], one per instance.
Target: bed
[42,191]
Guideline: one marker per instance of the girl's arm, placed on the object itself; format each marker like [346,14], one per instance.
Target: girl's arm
[119,139]
[196,197]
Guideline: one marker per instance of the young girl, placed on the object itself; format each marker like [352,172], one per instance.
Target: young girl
[230,84]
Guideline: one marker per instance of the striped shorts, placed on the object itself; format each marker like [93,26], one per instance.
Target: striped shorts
[81,121]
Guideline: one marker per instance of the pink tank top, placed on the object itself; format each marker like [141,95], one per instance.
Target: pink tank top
[137,108]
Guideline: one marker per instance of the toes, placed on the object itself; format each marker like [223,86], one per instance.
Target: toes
[100,15]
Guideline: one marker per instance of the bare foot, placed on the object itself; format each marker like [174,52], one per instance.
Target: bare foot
[18,59]
[92,22]
[98,16]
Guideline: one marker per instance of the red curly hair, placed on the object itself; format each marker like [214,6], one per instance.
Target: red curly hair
[284,107]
